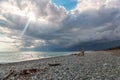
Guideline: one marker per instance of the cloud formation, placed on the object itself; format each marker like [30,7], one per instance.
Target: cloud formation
[56,28]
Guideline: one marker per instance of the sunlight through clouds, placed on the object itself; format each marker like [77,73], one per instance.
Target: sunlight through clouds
[45,24]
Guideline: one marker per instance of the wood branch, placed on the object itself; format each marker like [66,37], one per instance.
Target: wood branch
[8,74]
[56,64]
[29,71]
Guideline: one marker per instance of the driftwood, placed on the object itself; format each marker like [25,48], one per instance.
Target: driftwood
[57,64]
[23,72]
[29,71]
[8,74]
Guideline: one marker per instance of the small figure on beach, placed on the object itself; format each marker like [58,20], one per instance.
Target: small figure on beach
[81,53]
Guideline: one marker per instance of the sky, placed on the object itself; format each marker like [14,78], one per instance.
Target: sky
[59,25]
[68,4]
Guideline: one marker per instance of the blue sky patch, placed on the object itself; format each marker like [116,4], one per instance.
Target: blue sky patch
[68,4]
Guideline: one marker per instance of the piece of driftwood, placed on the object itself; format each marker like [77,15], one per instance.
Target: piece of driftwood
[30,71]
[8,74]
[56,64]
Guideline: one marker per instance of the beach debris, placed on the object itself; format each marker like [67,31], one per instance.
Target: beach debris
[30,71]
[7,75]
[26,72]
[81,53]
[56,64]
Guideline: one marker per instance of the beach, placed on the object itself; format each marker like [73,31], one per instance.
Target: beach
[97,65]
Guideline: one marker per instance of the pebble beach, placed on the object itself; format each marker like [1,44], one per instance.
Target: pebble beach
[97,65]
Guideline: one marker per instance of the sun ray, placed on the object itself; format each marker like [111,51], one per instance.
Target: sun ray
[32,18]
[25,28]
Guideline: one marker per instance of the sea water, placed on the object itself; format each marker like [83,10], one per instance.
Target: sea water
[8,57]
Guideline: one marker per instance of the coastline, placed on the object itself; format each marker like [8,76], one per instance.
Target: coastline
[29,55]
[91,66]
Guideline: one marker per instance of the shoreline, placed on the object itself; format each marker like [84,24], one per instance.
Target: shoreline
[68,67]
[71,53]
[34,60]
[26,56]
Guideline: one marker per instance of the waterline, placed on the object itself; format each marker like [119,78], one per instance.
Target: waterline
[24,56]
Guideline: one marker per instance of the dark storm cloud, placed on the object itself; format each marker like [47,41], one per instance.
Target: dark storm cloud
[58,29]
[88,26]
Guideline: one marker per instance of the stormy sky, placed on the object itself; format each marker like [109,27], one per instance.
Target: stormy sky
[59,24]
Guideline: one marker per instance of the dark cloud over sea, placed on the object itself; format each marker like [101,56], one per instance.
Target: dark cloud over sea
[92,25]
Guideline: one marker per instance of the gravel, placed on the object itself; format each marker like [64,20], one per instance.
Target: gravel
[97,65]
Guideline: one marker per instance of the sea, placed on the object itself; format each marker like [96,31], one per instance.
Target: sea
[9,57]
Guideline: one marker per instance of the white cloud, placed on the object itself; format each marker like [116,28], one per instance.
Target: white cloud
[85,5]
[9,40]
[91,20]
[47,17]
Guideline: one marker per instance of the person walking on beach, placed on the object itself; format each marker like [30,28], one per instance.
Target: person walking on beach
[82,52]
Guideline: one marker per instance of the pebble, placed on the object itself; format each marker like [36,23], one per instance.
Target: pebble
[64,73]
[89,67]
